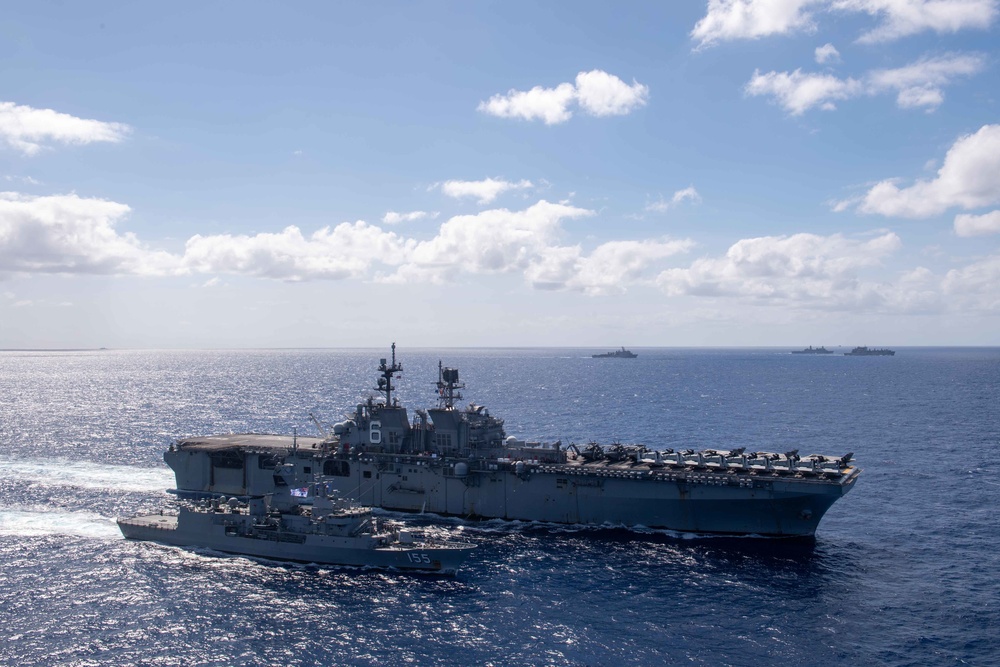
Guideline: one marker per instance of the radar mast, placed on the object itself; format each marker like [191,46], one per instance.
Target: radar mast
[446,385]
[385,381]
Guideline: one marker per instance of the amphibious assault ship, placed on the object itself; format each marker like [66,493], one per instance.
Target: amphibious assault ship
[307,524]
[459,461]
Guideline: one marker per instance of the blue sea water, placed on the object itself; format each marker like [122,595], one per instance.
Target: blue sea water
[905,570]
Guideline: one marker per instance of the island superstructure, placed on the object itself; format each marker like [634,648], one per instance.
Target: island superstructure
[459,461]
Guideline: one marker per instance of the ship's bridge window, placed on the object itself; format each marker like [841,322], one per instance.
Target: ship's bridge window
[444,440]
[394,437]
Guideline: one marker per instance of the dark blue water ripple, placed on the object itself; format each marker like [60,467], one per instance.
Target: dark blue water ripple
[903,571]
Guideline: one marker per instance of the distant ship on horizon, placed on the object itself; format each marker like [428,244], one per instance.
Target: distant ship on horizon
[813,350]
[864,351]
[616,354]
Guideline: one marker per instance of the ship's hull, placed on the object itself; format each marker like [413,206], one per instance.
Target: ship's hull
[692,502]
[226,533]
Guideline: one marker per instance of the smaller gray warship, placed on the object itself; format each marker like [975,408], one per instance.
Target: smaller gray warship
[870,352]
[308,524]
[813,350]
[616,354]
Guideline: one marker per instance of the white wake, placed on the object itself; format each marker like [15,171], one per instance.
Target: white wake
[26,523]
[86,475]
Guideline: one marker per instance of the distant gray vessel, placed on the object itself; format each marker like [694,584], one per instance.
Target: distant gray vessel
[616,354]
[308,524]
[870,352]
[459,462]
[813,350]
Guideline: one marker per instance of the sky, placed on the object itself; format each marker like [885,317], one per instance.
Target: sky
[571,174]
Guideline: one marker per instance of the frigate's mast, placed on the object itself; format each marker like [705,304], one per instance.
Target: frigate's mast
[385,381]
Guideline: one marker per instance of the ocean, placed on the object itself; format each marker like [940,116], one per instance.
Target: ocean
[904,570]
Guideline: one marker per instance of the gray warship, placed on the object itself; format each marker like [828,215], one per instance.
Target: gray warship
[458,461]
[308,524]
[616,354]
[864,351]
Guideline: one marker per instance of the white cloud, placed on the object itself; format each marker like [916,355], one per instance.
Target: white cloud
[901,18]
[930,98]
[977,225]
[345,251]
[494,241]
[485,190]
[727,20]
[976,285]
[23,180]
[27,129]
[827,53]
[751,19]
[71,234]
[917,84]
[968,178]
[800,268]
[680,196]
[394,218]
[687,194]
[547,104]
[596,92]
[798,92]
[609,269]
[527,242]
[603,94]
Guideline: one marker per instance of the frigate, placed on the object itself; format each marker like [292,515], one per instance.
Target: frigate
[458,461]
[307,523]
[616,354]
